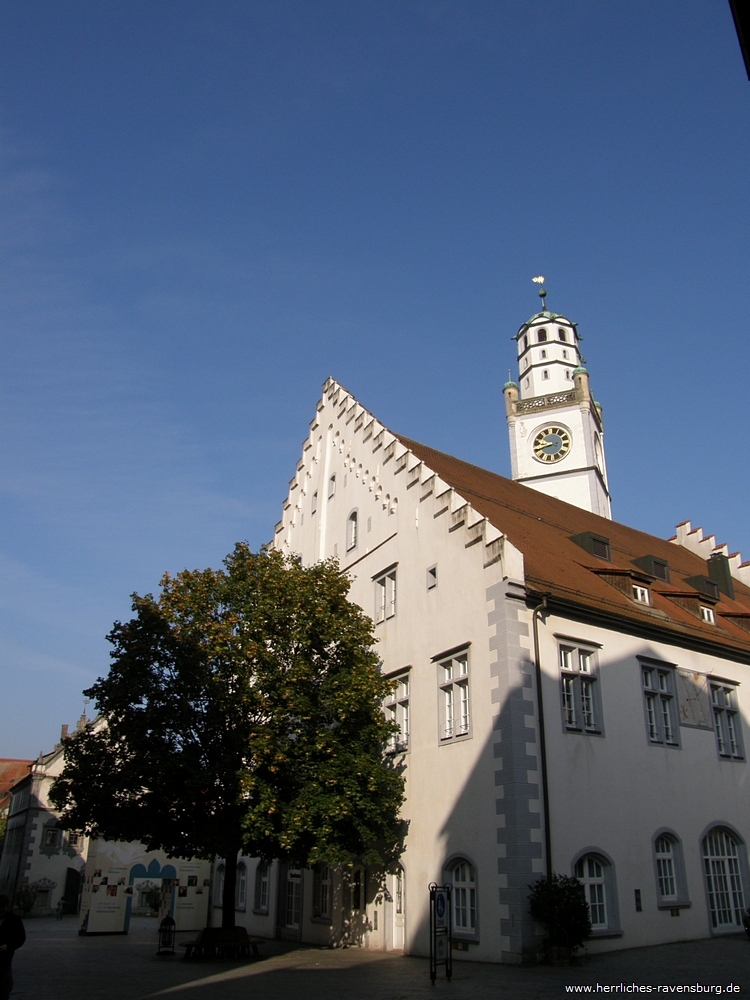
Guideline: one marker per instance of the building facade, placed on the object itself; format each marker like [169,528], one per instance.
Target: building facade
[41,865]
[571,693]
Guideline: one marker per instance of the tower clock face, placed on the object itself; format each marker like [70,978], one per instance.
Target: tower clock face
[551,444]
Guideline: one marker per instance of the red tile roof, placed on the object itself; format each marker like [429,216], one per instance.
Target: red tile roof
[11,772]
[541,527]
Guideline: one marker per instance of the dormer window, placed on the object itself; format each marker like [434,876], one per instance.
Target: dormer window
[641,594]
[708,616]
[595,544]
[561,334]
[541,336]
[654,567]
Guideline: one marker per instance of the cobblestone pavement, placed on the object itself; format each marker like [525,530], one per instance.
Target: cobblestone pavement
[56,964]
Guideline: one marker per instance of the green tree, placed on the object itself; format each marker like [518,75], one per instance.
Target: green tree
[242,711]
[558,903]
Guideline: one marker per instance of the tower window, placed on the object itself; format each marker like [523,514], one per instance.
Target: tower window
[561,334]
[567,374]
[542,354]
[542,336]
[545,374]
[526,384]
[565,355]
[525,343]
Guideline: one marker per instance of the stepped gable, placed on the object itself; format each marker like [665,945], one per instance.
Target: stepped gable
[541,527]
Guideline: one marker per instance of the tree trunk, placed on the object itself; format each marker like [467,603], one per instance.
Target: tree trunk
[230,888]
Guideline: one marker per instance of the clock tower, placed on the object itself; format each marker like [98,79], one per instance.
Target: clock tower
[555,425]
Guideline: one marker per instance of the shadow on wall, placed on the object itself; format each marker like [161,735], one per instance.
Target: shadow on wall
[493,840]
[616,796]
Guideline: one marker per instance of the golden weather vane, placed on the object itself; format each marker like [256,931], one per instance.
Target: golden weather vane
[539,280]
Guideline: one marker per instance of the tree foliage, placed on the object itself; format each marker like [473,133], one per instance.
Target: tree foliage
[242,711]
[559,904]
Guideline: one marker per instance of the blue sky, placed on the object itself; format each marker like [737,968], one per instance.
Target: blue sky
[209,208]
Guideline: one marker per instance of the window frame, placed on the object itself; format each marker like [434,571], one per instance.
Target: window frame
[641,594]
[727,719]
[262,878]
[219,885]
[432,577]
[681,899]
[612,928]
[322,893]
[454,696]
[741,870]
[661,708]
[352,536]
[398,709]
[580,690]
[386,594]
[463,900]
[240,888]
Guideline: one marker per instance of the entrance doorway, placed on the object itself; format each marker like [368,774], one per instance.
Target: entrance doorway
[289,919]
[398,910]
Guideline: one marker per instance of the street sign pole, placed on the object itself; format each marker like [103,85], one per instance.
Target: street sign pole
[441,929]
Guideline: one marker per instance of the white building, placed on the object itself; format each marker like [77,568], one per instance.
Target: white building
[571,692]
[102,881]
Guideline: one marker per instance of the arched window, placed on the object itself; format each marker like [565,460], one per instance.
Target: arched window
[261,888]
[597,874]
[463,876]
[241,890]
[590,871]
[721,865]
[665,868]
[351,531]
[561,334]
[545,374]
[219,886]
[542,336]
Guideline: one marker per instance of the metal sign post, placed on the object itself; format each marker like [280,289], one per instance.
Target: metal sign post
[441,930]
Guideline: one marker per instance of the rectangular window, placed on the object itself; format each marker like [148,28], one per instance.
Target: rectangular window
[331,486]
[579,689]
[261,888]
[397,710]
[727,721]
[51,838]
[322,892]
[385,596]
[455,713]
[641,594]
[432,578]
[314,503]
[707,615]
[660,704]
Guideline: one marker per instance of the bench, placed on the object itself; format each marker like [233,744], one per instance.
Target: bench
[213,942]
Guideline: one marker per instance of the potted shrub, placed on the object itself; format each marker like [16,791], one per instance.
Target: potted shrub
[559,904]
